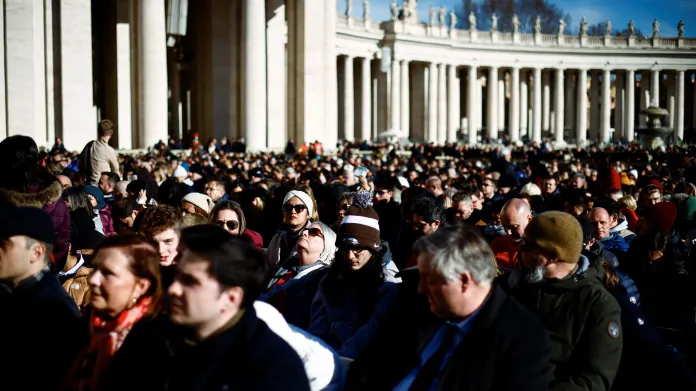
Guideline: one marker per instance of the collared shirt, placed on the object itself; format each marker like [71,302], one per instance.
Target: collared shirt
[464,327]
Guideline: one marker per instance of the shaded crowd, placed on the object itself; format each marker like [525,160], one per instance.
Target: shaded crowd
[379,267]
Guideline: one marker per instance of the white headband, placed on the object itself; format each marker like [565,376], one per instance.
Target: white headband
[304,197]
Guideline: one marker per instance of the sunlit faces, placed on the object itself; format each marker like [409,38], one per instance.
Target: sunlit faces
[295,213]
[113,287]
[422,227]
[167,242]
[228,220]
[311,241]
[197,300]
[188,207]
[17,257]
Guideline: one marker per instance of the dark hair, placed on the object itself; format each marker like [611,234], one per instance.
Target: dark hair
[105,128]
[341,276]
[124,208]
[112,177]
[229,205]
[232,262]
[76,198]
[157,219]
[428,208]
[143,262]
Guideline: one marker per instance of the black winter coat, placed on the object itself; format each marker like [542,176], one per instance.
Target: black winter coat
[41,334]
[585,324]
[246,356]
[506,349]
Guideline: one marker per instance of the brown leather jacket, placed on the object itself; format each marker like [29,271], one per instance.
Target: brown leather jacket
[77,285]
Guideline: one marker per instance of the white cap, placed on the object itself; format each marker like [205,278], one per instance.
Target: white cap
[180,172]
[200,200]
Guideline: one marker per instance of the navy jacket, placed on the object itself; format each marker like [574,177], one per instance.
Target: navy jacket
[247,356]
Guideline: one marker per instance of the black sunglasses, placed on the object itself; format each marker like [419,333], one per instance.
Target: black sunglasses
[297,208]
[344,207]
[231,224]
[315,232]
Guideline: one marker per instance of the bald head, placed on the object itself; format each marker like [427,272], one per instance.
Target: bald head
[601,222]
[515,216]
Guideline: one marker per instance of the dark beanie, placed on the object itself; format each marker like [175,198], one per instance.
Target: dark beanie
[661,215]
[360,227]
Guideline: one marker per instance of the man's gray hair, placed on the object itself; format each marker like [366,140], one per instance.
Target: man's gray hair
[457,251]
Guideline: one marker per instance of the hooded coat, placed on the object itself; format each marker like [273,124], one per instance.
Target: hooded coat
[48,199]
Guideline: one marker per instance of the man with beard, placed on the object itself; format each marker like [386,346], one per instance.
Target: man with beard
[514,217]
[559,286]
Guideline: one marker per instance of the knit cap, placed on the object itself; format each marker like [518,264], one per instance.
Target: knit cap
[559,233]
[200,200]
[661,215]
[360,227]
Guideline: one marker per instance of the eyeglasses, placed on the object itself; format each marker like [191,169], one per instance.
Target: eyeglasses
[299,208]
[230,224]
[315,232]
[212,188]
[356,251]
[344,207]
[382,192]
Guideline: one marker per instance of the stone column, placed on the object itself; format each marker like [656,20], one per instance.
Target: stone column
[606,106]
[432,102]
[254,62]
[644,98]
[581,115]
[570,106]
[559,106]
[620,87]
[515,104]
[348,99]
[124,97]
[405,99]
[452,103]
[276,76]
[679,118]
[492,102]
[395,99]
[524,103]
[630,105]
[546,104]
[654,88]
[670,100]
[442,104]
[471,106]
[594,106]
[479,99]
[501,101]
[366,104]
[536,132]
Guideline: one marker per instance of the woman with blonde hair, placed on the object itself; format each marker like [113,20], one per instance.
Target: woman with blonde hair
[125,288]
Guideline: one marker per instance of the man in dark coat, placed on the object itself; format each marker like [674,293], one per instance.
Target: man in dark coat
[559,286]
[212,338]
[467,335]
[41,328]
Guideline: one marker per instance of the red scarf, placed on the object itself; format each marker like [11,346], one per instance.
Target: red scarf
[107,338]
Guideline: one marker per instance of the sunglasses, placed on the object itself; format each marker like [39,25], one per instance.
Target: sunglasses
[299,208]
[382,192]
[315,232]
[344,207]
[230,224]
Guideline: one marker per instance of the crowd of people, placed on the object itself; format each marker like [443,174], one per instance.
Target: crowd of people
[378,267]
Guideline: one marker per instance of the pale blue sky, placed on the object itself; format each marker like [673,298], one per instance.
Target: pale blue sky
[668,12]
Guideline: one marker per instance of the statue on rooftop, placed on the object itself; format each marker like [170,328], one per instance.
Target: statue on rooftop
[472,21]
[656,28]
[494,22]
[443,14]
[631,28]
[607,27]
[349,7]
[453,20]
[394,10]
[515,24]
[537,25]
[680,29]
[561,27]
[583,26]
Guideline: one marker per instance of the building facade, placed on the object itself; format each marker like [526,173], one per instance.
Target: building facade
[269,71]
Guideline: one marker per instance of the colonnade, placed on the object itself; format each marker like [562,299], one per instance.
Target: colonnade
[563,104]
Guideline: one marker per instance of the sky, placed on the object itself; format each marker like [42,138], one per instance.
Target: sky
[619,12]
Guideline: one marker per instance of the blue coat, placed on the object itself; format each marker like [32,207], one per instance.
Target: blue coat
[339,326]
[616,244]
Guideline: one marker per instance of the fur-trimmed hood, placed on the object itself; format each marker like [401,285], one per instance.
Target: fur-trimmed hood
[41,199]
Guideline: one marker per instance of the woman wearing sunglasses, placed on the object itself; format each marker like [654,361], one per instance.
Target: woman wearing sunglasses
[298,207]
[229,215]
[357,292]
[294,285]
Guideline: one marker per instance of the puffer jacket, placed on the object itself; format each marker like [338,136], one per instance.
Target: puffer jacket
[49,200]
[74,278]
[585,325]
